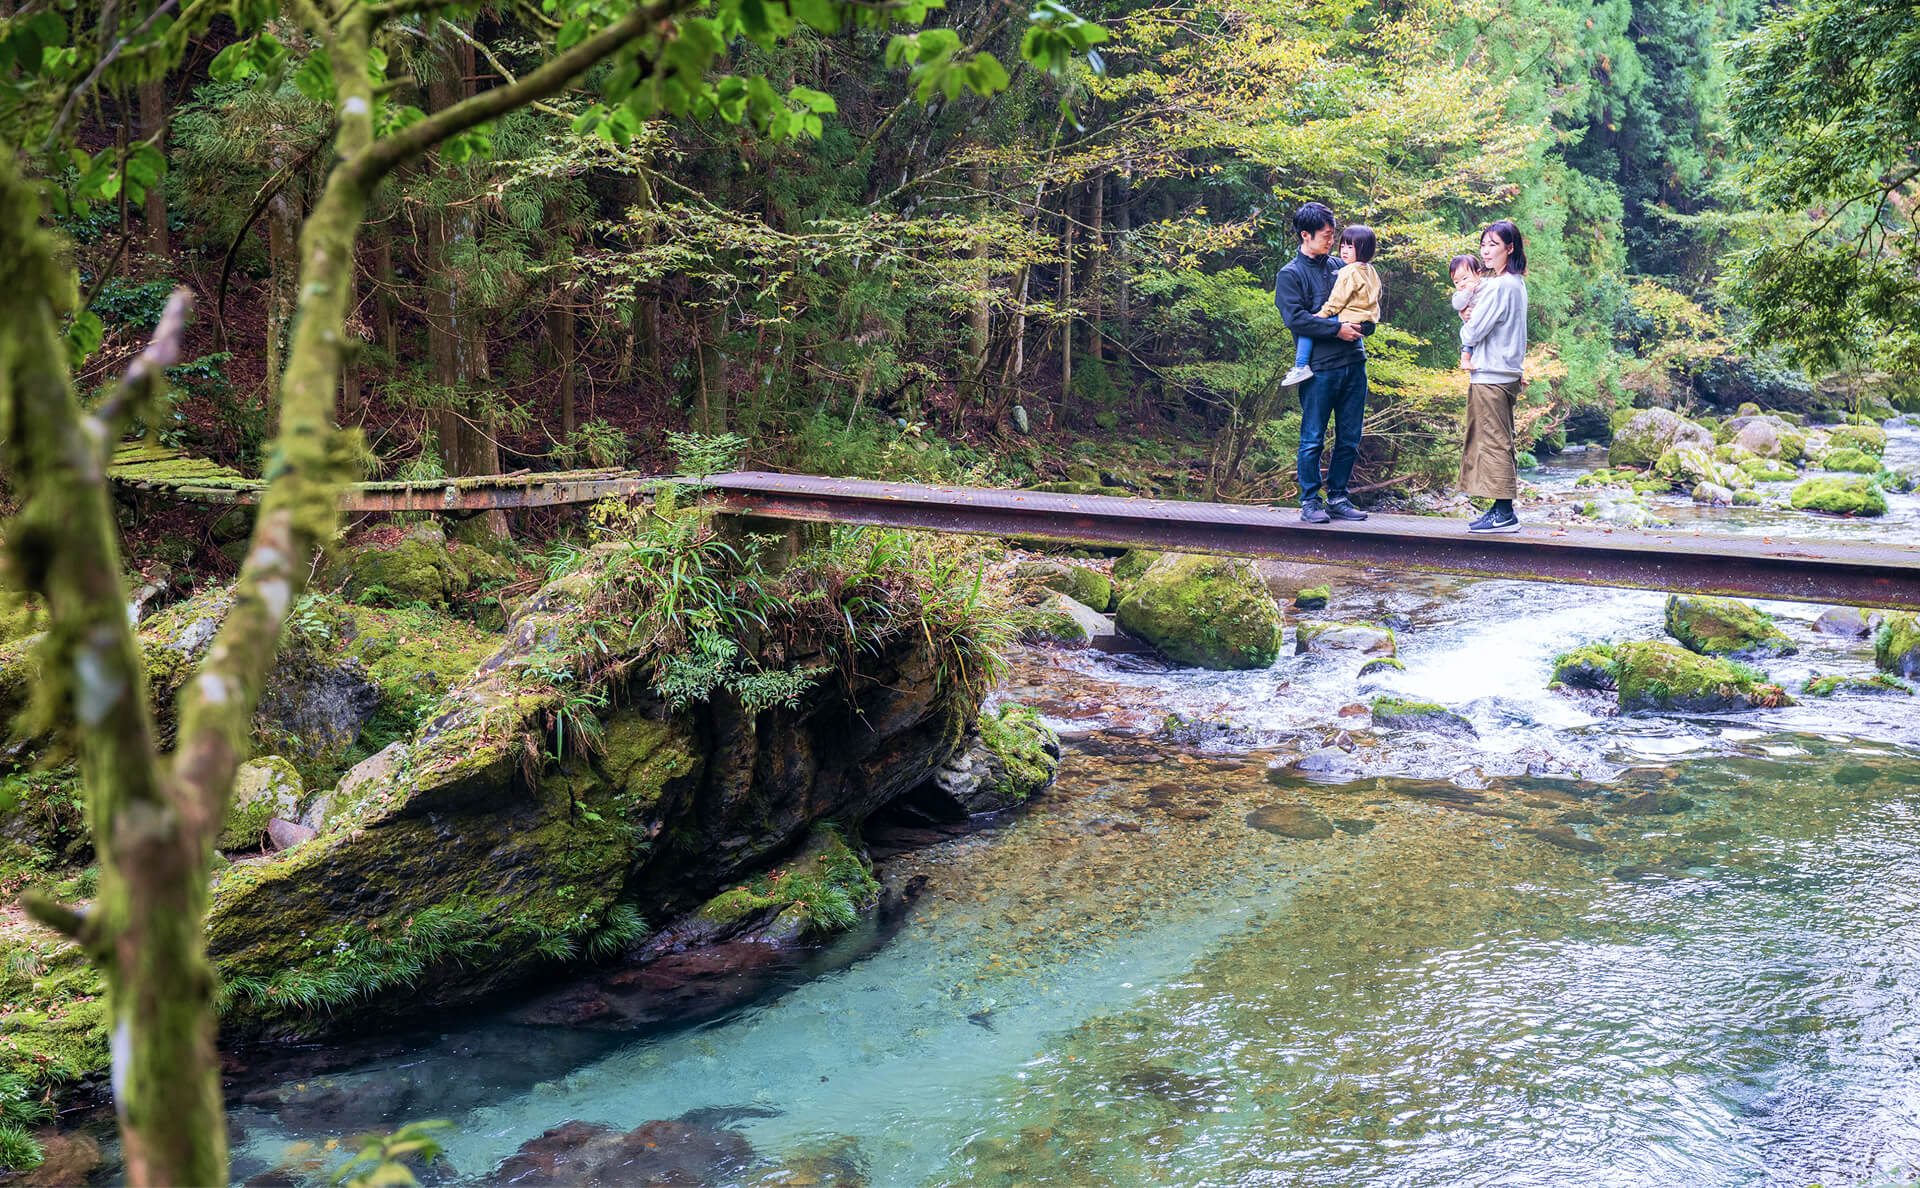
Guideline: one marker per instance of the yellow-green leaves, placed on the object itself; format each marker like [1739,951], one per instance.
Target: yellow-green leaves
[938,65]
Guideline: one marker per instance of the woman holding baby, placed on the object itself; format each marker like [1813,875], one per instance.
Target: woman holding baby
[1491,295]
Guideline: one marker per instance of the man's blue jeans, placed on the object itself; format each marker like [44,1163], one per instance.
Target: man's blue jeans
[1341,394]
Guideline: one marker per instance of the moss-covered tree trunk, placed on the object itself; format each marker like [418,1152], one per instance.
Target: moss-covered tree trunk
[154,822]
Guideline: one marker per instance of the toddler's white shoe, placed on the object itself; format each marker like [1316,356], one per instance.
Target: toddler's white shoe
[1300,374]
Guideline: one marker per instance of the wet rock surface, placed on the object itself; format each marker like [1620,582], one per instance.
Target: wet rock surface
[589,1155]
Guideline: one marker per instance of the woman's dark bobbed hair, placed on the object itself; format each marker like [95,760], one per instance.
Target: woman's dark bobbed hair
[1509,235]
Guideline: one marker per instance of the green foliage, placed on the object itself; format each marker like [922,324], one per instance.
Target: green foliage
[596,443]
[1825,106]
[134,305]
[382,1159]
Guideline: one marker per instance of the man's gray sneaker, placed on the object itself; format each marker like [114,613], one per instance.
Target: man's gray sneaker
[1313,512]
[1495,521]
[1343,509]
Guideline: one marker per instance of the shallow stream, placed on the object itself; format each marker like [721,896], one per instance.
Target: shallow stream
[1582,950]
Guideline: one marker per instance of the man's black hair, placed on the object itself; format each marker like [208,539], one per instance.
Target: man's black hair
[1311,218]
[1361,237]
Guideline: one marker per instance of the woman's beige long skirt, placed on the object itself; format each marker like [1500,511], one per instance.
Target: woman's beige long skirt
[1487,469]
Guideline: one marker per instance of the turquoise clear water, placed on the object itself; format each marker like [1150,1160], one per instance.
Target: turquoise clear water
[1725,995]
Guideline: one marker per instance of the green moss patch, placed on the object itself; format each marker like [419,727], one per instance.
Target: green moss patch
[1724,627]
[1877,685]
[1025,752]
[829,884]
[1852,496]
[1851,461]
[1211,612]
[1896,646]
[1655,675]
[1865,439]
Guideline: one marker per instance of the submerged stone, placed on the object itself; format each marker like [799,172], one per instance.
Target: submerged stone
[1291,820]
[1878,685]
[1566,839]
[1654,804]
[1211,612]
[1724,627]
[590,1155]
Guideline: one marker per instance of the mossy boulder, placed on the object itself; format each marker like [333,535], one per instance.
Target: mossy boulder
[1765,470]
[416,570]
[1649,433]
[1896,646]
[1656,675]
[1850,496]
[1393,713]
[1129,566]
[1713,495]
[263,789]
[1877,685]
[1686,467]
[1313,598]
[1724,627]
[1211,612]
[1084,585]
[1850,461]
[1865,439]
[1590,667]
[1011,755]
[1759,438]
[487,849]
[1053,623]
[1747,409]
[1366,639]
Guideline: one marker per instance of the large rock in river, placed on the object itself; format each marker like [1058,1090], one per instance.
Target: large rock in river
[1651,433]
[1656,675]
[1852,495]
[467,859]
[1724,627]
[1211,612]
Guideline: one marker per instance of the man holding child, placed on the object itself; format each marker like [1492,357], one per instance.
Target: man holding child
[1333,374]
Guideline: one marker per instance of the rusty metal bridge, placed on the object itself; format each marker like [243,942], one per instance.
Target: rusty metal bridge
[1876,575]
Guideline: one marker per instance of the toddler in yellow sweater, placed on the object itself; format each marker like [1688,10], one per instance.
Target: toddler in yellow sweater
[1355,296]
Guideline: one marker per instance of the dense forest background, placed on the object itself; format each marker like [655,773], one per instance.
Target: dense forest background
[1069,278]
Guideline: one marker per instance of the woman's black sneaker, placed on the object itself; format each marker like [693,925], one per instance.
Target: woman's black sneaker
[1312,511]
[1496,521]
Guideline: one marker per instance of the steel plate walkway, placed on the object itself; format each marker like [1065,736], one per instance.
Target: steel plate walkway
[1886,576]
